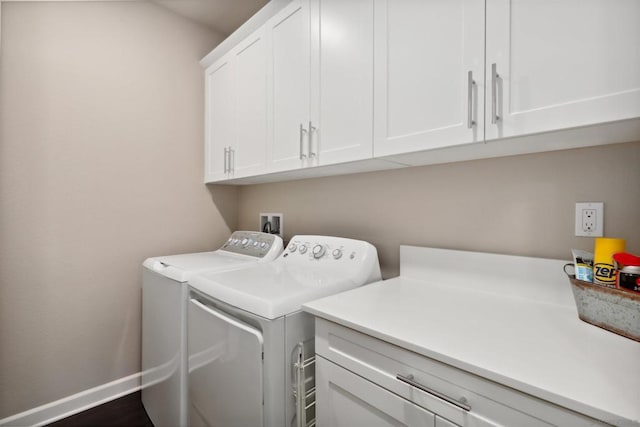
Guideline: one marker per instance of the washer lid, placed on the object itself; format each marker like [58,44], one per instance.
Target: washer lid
[271,290]
[182,267]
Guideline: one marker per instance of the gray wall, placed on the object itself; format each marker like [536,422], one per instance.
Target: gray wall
[522,205]
[101,130]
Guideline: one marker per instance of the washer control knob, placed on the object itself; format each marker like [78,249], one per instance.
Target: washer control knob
[245,242]
[256,243]
[293,247]
[303,249]
[337,254]
[235,241]
[318,251]
[263,245]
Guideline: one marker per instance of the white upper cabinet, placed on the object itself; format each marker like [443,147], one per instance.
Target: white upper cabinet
[249,155]
[235,111]
[289,90]
[372,84]
[429,70]
[561,64]
[322,83]
[341,127]
[219,118]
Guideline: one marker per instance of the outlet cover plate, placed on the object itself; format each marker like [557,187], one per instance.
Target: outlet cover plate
[590,219]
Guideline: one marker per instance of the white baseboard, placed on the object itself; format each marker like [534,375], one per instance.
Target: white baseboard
[75,403]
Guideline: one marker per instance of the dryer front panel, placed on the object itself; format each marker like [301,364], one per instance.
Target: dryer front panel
[225,369]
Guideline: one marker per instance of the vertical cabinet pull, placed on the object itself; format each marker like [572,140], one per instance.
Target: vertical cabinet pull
[470,84]
[303,131]
[494,94]
[232,160]
[226,159]
[312,129]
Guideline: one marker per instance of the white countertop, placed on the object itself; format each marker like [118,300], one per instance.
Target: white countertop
[521,340]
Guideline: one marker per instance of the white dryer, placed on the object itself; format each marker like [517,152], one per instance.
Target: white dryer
[164,316]
[247,331]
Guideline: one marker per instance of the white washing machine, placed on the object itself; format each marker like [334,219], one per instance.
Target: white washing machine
[164,316]
[247,333]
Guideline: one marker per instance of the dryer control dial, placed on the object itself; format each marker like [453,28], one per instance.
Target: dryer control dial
[245,242]
[293,247]
[303,249]
[318,251]
[337,254]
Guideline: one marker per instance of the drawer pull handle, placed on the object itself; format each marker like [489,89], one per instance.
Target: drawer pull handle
[409,380]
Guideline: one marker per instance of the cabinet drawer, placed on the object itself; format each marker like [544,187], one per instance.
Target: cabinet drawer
[490,404]
[354,401]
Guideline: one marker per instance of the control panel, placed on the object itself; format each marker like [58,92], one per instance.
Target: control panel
[326,259]
[324,248]
[253,243]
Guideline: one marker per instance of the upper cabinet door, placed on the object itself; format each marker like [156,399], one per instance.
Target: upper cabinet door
[560,64]
[289,77]
[429,74]
[219,118]
[249,154]
[341,81]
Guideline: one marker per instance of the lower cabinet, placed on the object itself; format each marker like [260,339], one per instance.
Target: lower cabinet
[364,381]
[349,401]
[441,422]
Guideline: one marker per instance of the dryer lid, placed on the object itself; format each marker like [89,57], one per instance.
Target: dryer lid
[242,248]
[182,267]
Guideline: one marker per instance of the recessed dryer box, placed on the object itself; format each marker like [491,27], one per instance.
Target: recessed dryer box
[272,223]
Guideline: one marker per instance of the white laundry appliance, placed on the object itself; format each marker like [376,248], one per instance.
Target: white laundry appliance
[164,316]
[250,347]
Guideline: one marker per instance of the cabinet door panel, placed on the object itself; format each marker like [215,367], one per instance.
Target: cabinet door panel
[342,70]
[345,399]
[424,51]
[290,47]
[250,149]
[441,422]
[562,64]
[219,118]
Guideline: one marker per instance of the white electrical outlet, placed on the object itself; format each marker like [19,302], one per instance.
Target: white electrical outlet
[590,219]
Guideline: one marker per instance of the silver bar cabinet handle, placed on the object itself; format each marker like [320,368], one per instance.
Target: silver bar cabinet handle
[312,129]
[302,132]
[494,93]
[232,160]
[470,84]
[226,157]
[409,380]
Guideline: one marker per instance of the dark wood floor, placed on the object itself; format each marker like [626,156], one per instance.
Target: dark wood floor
[124,412]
